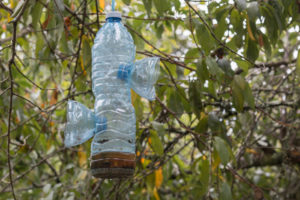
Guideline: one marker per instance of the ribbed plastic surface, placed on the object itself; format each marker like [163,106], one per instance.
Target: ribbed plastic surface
[114,73]
[113,46]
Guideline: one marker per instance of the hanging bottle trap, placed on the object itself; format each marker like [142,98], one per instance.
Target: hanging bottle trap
[112,124]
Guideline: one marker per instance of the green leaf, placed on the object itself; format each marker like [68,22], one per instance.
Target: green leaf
[159,127]
[252,50]
[156,143]
[175,103]
[237,21]
[138,106]
[225,192]
[212,88]
[39,44]
[214,68]
[221,15]
[171,69]
[238,85]
[241,92]
[202,72]
[267,46]
[80,83]
[244,65]
[127,2]
[159,31]
[203,123]
[86,52]
[214,124]
[180,164]
[150,181]
[225,65]
[253,10]
[298,65]
[248,96]
[36,14]
[176,4]
[204,169]
[148,6]
[223,150]
[270,23]
[204,177]
[162,6]
[191,55]
[195,96]
[204,38]
[64,44]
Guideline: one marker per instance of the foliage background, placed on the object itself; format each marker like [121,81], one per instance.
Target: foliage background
[225,124]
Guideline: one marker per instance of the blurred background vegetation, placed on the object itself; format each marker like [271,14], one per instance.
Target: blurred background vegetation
[225,123]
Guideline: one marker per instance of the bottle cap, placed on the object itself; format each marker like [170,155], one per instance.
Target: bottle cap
[115,14]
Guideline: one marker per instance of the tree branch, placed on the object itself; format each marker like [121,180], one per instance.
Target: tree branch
[214,36]
[274,64]
[6,8]
[21,34]
[10,65]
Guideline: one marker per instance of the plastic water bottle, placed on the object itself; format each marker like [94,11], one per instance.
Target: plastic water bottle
[113,122]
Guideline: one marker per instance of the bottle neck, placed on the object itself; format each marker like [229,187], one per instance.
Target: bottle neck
[113,19]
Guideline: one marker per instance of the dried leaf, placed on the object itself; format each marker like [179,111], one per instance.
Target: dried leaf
[102,5]
[81,156]
[158,177]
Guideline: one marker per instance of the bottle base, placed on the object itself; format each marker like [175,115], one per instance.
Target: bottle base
[113,165]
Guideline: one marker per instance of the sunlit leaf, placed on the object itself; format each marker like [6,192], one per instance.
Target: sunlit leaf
[156,143]
[102,5]
[222,149]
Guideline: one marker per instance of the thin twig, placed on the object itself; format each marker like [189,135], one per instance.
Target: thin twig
[214,36]
[11,62]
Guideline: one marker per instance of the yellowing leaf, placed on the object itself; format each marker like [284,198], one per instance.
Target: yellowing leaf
[155,194]
[158,178]
[133,96]
[54,96]
[156,143]
[149,141]
[82,157]
[216,160]
[86,54]
[249,30]
[102,5]
[253,151]
[9,18]
[72,6]
[49,144]
[82,66]
[17,120]
[12,4]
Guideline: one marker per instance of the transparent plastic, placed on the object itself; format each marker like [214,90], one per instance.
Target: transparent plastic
[114,73]
[80,120]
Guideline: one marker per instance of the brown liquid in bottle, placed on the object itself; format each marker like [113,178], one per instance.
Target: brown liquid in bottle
[113,165]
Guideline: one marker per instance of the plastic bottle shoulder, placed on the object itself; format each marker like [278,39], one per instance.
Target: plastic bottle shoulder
[113,39]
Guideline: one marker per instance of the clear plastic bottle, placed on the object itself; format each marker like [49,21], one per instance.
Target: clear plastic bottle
[114,73]
[113,46]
